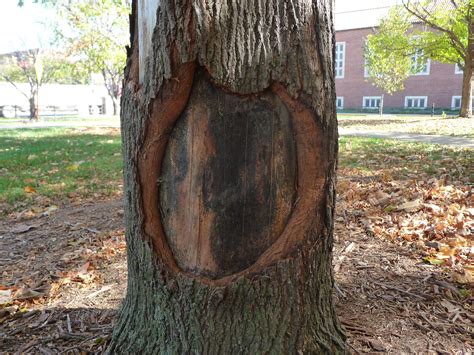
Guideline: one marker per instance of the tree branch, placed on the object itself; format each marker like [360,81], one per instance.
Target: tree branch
[15,86]
[457,44]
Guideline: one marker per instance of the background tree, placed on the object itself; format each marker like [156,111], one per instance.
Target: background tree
[230,148]
[23,67]
[96,33]
[450,38]
[441,30]
[387,68]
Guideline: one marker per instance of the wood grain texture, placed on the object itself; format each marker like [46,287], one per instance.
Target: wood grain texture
[146,12]
[228,179]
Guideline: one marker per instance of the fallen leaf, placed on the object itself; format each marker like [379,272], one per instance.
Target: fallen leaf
[84,268]
[410,206]
[32,157]
[466,277]
[449,306]
[6,311]
[50,209]
[433,260]
[27,294]
[5,296]
[29,189]
[72,167]
[376,344]
[434,208]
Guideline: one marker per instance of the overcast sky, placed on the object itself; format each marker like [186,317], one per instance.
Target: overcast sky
[21,28]
[350,5]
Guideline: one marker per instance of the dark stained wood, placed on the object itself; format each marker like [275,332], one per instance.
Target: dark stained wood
[228,176]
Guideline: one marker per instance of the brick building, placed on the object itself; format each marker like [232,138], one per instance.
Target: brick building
[436,83]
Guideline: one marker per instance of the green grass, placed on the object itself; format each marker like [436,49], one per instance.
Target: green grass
[452,126]
[60,163]
[57,162]
[405,159]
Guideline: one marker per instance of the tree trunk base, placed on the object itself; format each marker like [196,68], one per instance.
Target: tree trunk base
[209,139]
[257,316]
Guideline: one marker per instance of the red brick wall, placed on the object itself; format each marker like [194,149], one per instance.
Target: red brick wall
[439,86]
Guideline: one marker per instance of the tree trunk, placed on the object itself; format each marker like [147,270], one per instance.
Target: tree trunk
[230,145]
[381,105]
[32,102]
[115,105]
[466,99]
[112,87]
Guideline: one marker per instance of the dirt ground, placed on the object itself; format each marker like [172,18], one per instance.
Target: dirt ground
[69,272]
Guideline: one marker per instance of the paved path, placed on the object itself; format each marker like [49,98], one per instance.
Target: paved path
[52,124]
[459,142]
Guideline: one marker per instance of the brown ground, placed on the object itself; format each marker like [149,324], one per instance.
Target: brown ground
[70,271]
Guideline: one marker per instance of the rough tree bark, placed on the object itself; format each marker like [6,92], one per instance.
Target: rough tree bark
[466,98]
[230,146]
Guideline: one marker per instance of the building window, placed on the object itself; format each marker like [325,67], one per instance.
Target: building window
[458,69]
[371,102]
[416,102]
[340,57]
[456,102]
[418,66]
[366,69]
[340,102]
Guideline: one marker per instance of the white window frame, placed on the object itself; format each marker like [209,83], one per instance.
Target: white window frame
[460,102]
[371,98]
[453,100]
[416,98]
[458,69]
[415,64]
[342,61]
[341,98]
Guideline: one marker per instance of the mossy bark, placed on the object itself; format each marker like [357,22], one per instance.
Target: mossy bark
[281,303]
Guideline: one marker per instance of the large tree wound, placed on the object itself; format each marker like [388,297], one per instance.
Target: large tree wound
[230,183]
[228,177]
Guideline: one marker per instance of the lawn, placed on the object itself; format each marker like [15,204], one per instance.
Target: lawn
[406,160]
[47,165]
[61,162]
[427,188]
[457,127]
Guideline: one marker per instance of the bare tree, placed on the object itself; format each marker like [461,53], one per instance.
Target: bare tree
[20,67]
